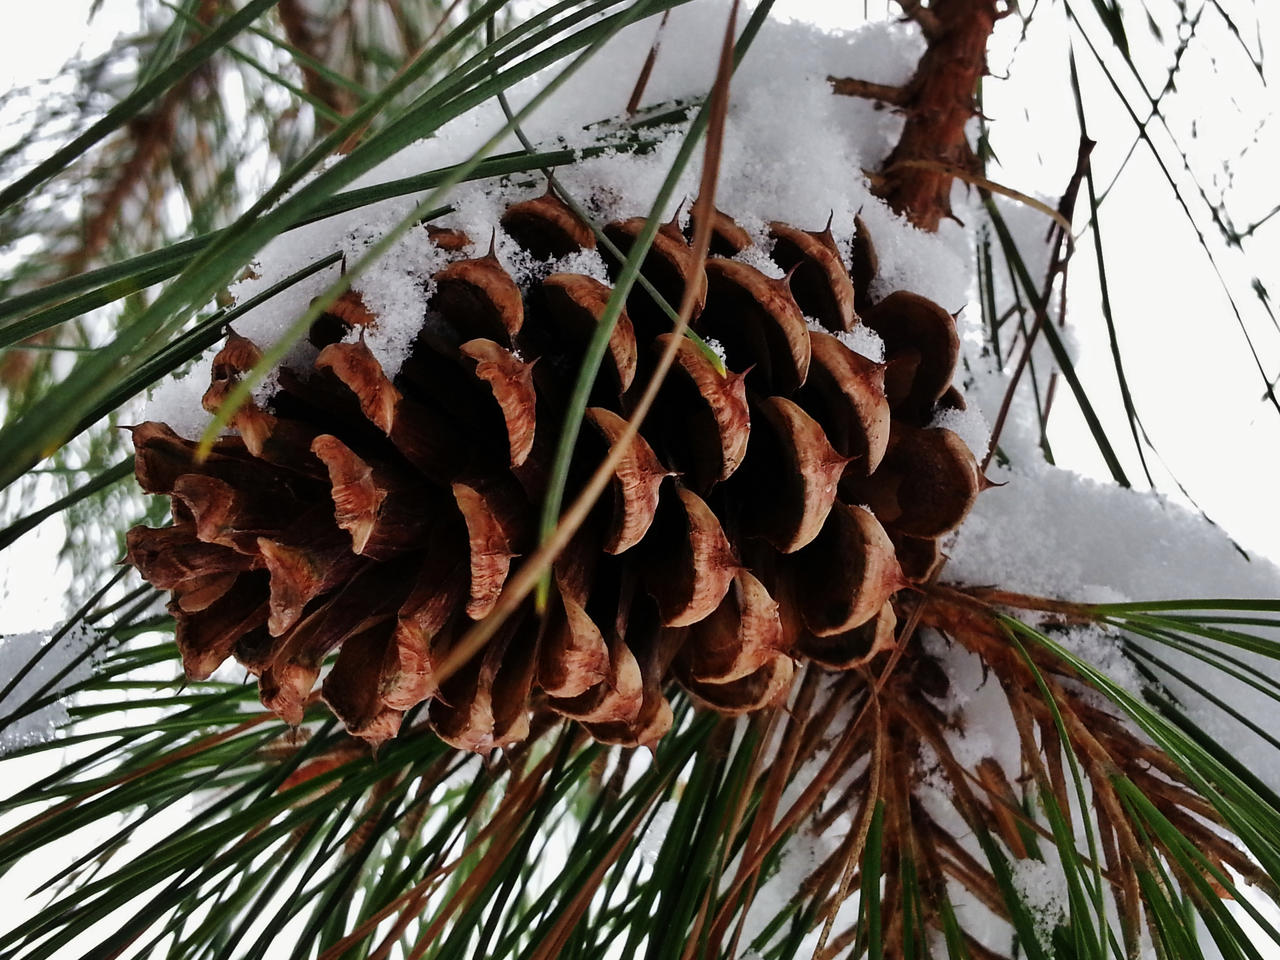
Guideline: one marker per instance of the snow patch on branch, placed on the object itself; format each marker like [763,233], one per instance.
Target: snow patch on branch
[58,665]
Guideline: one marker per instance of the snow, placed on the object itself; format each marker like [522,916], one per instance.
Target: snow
[1043,889]
[655,834]
[969,425]
[861,339]
[176,401]
[16,652]
[395,288]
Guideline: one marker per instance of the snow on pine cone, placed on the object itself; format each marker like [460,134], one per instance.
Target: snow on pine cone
[765,514]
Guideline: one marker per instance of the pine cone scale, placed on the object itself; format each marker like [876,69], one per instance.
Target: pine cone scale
[819,280]
[759,323]
[703,421]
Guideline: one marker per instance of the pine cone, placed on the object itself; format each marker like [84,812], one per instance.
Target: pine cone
[764,514]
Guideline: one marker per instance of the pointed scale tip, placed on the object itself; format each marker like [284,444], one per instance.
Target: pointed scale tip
[675,217]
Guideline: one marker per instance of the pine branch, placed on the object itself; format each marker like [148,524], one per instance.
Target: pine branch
[937,102]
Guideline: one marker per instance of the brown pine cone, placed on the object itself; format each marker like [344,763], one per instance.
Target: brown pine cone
[763,515]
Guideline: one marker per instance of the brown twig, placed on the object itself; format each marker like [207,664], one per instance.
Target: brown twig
[867,90]
[642,81]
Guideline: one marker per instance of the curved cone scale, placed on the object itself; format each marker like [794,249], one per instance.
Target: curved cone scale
[900,372]
[766,687]
[238,356]
[547,228]
[576,567]
[285,444]
[646,730]
[616,699]
[927,483]
[200,592]
[918,328]
[853,648]
[233,500]
[462,713]
[321,402]
[727,238]
[421,437]
[352,691]
[668,266]
[258,649]
[492,514]
[918,556]
[688,564]
[636,481]
[305,562]
[573,656]
[377,516]
[285,689]
[517,669]
[351,310]
[478,298]
[381,507]
[780,586]
[820,283]
[511,381]
[654,717]
[294,665]
[357,368]
[161,456]
[845,393]
[787,506]
[703,417]
[167,556]
[408,674]
[225,516]
[843,578]
[759,324]
[953,399]
[650,726]
[864,264]
[206,641]
[344,314]
[741,635]
[575,304]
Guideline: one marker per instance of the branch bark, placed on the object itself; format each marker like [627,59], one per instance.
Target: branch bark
[937,102]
